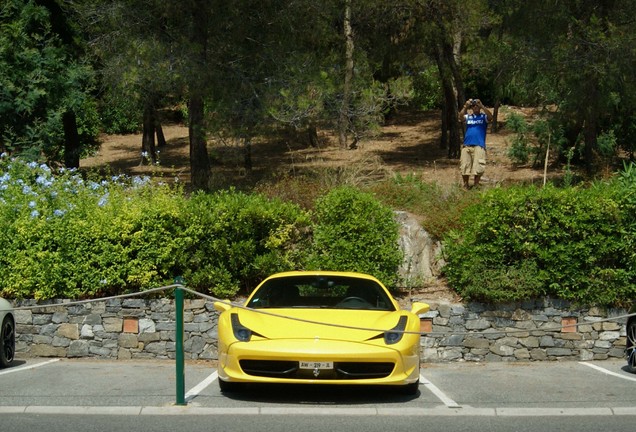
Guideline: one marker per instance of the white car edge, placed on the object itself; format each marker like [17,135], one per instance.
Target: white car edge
[7,333]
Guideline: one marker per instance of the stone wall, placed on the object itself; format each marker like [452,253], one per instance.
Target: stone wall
[140,328]
[529,331]
[123,329]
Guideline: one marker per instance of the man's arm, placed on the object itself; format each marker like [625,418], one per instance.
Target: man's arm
[462,114]
[485,110]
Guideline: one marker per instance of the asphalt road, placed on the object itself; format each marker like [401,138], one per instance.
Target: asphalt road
[95,395]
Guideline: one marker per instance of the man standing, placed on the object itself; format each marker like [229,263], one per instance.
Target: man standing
[473,155]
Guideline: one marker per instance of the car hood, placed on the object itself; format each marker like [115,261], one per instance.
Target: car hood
[350,324]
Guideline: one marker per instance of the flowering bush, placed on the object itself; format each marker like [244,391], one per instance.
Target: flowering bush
[64,235]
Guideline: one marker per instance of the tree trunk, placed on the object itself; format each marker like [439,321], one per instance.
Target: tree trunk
[148,150]
[247,154]
[161,138]
[343,123]
[71,140]
[450,103]
[443,142]
[199,159]
[312,133]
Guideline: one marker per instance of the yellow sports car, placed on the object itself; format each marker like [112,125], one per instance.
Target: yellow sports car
[319,328]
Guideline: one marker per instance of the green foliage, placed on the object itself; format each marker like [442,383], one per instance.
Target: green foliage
[439,208]
[354,232]
[120,115]
[63,236]
[525,242]
[39,82]
[427,89]
[519,151]
[234,240]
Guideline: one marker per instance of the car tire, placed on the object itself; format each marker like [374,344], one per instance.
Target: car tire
[7,341]
[630,348]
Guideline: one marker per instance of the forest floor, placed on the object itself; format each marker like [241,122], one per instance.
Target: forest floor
[408,144]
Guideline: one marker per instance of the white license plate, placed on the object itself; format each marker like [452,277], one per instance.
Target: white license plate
[316,365]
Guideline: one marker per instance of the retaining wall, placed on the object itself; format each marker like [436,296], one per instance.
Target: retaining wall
[140,328]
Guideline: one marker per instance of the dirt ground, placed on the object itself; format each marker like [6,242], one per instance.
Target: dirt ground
[408,144]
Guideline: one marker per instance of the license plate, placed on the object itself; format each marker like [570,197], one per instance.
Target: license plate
[316,365]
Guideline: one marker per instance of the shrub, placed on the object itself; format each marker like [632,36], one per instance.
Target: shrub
[355,232]
[438,208]
[233,240]
[65,236]
[525,242]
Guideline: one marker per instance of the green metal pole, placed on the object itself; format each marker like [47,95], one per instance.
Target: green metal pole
[178,304]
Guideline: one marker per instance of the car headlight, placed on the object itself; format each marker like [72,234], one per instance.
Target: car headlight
[394,335]
[241,332]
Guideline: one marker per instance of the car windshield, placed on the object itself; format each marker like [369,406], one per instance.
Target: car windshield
[325,292]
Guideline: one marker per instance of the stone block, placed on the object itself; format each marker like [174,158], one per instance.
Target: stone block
[546,341]
[112,325]
[147,326]
[558,352]
[529,342]
[42,339]
[39,350]
[92,319]
[474,342]
[42,319]
[23,317]
[586,355]
[571,336]
[501,350]
[124,354]
[59,317]
[100,351]
[128,340]
[194,344]
[158,348]
[522,354]
[60,341]
[538,354]
[146,338]
[478,324]
[70,331]
[78,348]
[609,335]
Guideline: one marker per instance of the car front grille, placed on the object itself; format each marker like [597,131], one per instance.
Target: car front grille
[341,370]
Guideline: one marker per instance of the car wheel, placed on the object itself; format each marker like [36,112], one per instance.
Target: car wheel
[7,342]
[630,349]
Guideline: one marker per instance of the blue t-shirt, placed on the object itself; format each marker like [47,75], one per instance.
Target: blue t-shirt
[476,126]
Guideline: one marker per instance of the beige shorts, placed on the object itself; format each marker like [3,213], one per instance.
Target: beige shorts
[472,160]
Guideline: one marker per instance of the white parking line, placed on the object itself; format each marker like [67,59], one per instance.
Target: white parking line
[607,372]
[194,391]
[440,394]
[27,367]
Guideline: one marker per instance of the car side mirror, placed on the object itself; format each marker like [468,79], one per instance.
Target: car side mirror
[222,306]
[419,308]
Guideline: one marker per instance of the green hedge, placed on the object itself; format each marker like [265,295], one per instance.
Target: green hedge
[66,236]
[354,232]
[523,242]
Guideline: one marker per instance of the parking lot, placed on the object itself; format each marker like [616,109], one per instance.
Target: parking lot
[601,388]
